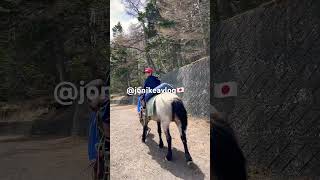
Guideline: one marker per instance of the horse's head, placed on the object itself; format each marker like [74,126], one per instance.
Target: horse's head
[95,103]
[96,100]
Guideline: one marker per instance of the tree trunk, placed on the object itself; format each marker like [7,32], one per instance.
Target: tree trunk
[61,70]
[75,120]
[203,30]
[128,79]
[59,55]
[148,58]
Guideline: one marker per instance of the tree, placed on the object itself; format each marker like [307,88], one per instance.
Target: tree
[134,8]
[117,30]
[44,47]
[173,33]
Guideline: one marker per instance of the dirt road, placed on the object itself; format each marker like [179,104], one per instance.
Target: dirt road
[50,159]
[131,159]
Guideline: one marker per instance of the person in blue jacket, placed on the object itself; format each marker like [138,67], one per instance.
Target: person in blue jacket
[151,82]
[99,129]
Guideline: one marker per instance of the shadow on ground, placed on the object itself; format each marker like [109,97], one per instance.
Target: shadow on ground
[178,166]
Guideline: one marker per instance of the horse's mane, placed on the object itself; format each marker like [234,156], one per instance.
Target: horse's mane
[227,159]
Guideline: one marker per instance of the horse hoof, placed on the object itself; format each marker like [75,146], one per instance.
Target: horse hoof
[168,158]
[143,140]
[189,163]
[188,158]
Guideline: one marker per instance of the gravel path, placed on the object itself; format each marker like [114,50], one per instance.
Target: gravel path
[131,159]
[50,159]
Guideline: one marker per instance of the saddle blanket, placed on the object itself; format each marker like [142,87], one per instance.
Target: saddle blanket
[150,105]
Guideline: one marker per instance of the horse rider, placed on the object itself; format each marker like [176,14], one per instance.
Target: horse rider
[150,82]
[99,130]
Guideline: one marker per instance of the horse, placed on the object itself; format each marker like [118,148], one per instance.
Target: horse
[99,133]
[168,107]
[227,159]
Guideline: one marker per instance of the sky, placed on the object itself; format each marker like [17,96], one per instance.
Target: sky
[118,13]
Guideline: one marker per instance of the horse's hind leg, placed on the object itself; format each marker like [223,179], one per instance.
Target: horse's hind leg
[168,137]
[182,131]
[186,151]
[159,132]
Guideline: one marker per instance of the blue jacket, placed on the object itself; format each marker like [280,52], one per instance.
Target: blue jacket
[93,137]
[151,82]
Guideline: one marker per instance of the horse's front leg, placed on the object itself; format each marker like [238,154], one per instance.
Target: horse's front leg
[159,132]
[168,136]
[144,133]
[186,150]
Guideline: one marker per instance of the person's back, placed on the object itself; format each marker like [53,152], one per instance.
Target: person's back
[151,82]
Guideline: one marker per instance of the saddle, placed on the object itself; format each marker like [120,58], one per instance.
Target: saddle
[150,99]
[150,106]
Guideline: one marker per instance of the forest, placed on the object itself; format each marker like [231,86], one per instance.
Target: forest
[169,34]
[45,42]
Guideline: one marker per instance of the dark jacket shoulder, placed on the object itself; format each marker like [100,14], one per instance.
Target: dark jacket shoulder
[152,82]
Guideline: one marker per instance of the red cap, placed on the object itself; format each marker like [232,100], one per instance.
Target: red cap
[148,70]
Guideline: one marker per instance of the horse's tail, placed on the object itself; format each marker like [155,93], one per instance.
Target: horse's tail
[180,111]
